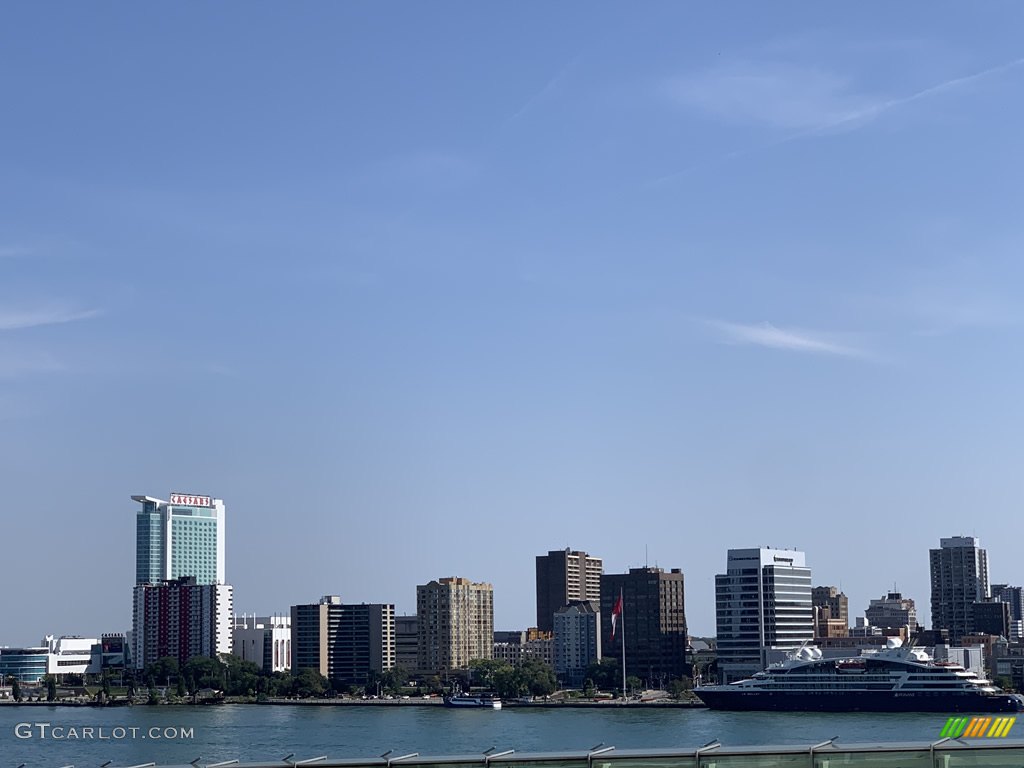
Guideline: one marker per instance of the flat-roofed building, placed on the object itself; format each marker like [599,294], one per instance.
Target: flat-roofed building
[344,642]
[181,619]
[564,576]
[831,612]
[266,641]
[407,643]
[455,623]
[26,665]
[577,641]
[959,579]
[74,655]
[1014,596]
[892,612]
[653,623]
[762,604]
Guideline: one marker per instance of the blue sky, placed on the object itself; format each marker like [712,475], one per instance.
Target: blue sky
[425,290]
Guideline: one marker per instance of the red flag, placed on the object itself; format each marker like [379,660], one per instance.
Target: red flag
[616,613]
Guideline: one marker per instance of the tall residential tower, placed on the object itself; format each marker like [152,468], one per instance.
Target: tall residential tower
[959,574]
[564,577]
[454,624]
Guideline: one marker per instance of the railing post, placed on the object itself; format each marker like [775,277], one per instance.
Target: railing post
[812,750]
[594,752]
[706,748]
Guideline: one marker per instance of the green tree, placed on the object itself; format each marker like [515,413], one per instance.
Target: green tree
[241,676]
[537,677]
[204,671]
[483,671]
[51,688]
[633,683]
[163,669]
[680,688]
[280,684]
[508,682]
[309,682]
[394,679]
[131,688]
[606,674]
[181,686]
[16,690]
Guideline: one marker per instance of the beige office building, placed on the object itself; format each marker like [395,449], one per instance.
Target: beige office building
[455,623]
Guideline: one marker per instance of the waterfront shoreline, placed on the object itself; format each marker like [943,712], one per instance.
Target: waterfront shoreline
[607,704]
[339,702]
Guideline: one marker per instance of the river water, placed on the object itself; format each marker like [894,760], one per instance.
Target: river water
[251,732]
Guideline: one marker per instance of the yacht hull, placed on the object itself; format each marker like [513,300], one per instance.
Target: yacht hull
[854,701]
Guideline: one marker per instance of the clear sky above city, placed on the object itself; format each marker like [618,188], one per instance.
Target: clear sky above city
[428,289]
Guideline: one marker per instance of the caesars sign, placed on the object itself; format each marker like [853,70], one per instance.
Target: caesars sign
[190,500]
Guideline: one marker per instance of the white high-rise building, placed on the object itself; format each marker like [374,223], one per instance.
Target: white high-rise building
[181,537]
[762,605]
[264,640]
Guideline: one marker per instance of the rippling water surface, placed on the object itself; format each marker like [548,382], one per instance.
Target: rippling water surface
[250,732]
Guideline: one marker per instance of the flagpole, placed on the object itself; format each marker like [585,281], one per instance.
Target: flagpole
[623,618]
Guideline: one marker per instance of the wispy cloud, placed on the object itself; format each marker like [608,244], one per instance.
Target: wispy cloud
[780,95]
[864,114]
[797,340]
[14,319]
[813,101]
[810,99]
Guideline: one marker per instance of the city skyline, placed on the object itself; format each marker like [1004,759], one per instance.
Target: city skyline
[410,608]
[429,294]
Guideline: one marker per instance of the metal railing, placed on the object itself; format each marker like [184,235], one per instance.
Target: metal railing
[945,753]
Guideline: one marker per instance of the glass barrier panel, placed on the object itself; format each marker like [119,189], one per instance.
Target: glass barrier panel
[756,760]
[634,761]
[980,758]
[879,759]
